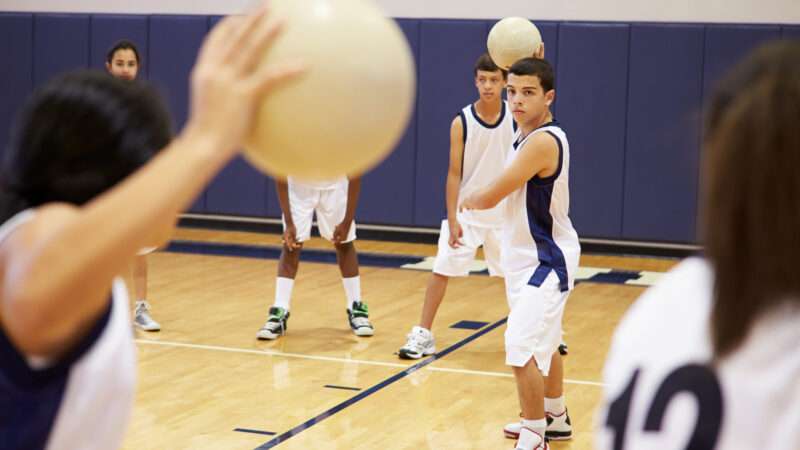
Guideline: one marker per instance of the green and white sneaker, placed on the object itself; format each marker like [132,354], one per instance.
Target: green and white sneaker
[276,324]
[358,316]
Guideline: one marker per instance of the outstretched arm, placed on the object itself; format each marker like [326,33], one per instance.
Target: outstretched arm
[57,269]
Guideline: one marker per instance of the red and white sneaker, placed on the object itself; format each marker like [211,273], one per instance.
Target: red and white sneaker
[559,427]
[531,440]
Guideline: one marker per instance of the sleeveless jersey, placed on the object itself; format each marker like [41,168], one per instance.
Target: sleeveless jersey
[81,401]
[539,236]
[486,148]
[662,392]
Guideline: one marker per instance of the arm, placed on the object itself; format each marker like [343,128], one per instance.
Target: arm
[282,187]
[51,294]
[454,180]
[353,191]
[539,156]
[289,232]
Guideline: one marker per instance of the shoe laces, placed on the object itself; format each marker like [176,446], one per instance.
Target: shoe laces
[416,340]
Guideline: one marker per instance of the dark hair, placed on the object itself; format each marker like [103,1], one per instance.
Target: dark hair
[79,135]
[751,214]
[486,64]
[535,67]
[123,45]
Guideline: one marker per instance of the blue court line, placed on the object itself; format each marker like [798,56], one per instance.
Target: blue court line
[247,430]
[342,387]
[266,252]
[366,393]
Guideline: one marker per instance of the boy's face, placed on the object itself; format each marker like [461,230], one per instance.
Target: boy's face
[527,99]
[123,64]
[490,84]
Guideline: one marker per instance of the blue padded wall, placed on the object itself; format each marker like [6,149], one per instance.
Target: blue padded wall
[448,50]
[592,83]
[60,44]
[172,48]
[387,192]
[629,96]
[726,45]
[16,80]
[790,32]
[238,189]
[662,145]
[107,29]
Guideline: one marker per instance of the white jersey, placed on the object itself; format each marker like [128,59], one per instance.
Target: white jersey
[485,150]
[83,400]
[539,237]
[749,400]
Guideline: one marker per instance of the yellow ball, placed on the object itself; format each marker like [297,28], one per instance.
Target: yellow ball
[512,39]
[347,112]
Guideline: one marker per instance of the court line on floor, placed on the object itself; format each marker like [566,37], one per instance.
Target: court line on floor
[342,360]
[375,388]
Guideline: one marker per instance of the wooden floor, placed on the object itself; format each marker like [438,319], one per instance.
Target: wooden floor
[205,375]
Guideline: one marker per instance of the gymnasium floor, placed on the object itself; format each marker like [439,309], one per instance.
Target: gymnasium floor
[207,383]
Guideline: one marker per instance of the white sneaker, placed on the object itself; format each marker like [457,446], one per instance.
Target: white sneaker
[142,319]
[559,427]
[420,343]
[531,440]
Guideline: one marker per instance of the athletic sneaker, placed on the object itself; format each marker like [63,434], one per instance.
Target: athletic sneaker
[276,324]
[359,319]
[420,343]
[559,427]
[142,319]
[531,440]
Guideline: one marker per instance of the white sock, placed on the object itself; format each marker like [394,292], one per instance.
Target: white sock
[283,292]
[352,289]
[539,426]
[554,406]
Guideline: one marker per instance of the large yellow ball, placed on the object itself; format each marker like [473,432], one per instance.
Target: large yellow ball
[512,39]
[347,112]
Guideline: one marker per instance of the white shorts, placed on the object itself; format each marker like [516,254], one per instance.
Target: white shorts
[330,205]
[534,323]
[456,262]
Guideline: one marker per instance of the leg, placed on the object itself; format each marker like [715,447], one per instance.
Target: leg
[141,315]
[357,310]
[279,313]
[140,278]
[530,390]
[554,382]
[289,262]
[437,286]
[347,257]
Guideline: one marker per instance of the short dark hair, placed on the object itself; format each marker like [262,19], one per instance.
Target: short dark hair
[124,44]
[535,67]
[486,64]
[79,135]
[750,216]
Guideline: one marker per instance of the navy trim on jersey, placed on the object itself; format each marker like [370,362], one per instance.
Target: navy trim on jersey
[552,178]
[484,124]
[30,398]
[540,223]
[463,139]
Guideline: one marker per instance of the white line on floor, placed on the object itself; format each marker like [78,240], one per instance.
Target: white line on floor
[342,360]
